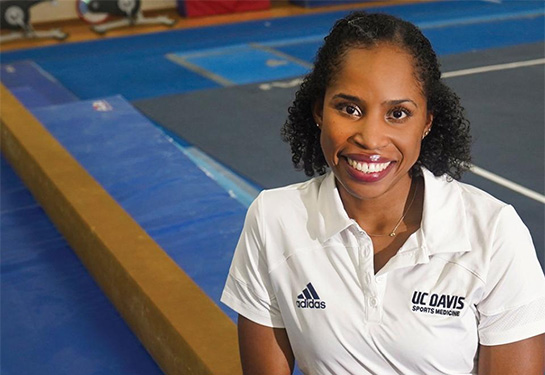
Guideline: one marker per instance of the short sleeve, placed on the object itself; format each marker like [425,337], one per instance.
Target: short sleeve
[513,303]
[248,288]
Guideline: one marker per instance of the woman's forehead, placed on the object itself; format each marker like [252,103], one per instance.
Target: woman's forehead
[377,58]
[383,66]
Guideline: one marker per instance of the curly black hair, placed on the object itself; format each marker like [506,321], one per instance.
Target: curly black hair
[445,150]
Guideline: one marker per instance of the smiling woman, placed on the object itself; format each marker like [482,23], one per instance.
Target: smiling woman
[385,263]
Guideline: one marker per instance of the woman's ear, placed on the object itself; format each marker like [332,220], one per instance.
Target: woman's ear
[429,122]
[318,111]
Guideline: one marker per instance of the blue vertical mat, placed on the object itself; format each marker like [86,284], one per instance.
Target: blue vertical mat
[54,318]
[191,217]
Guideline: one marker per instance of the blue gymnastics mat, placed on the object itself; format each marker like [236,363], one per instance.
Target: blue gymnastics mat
[55,319]
[187,213]
[242,64]
[34,86]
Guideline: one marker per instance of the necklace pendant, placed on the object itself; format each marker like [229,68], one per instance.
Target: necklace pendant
[392,234]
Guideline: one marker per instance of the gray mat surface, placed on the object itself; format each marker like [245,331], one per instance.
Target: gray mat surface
[506,109]
[240,126]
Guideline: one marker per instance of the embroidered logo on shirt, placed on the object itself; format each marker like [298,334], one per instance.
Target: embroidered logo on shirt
[437,304]
[309,299]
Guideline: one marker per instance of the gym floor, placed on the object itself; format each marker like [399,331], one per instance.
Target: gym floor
[186,82]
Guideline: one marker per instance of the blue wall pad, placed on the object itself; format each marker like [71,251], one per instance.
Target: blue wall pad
[33,86]
[54,318]
[190,216]
[137,67]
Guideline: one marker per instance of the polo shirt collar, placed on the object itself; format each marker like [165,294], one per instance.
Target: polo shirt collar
[444,224]
[332,216]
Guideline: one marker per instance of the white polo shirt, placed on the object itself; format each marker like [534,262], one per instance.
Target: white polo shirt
[469,275]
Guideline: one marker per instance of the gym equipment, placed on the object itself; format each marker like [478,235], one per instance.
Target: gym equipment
[96,12]
[16,16]
[201,8]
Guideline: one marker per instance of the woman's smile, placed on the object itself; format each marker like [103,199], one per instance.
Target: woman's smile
[363,169]
[367,167]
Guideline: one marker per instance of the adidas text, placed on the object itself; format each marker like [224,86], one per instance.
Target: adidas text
[311,304]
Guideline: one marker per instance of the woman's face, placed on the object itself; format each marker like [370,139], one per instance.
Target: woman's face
[372,121]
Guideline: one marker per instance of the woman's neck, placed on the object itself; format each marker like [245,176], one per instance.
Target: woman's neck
[380,215]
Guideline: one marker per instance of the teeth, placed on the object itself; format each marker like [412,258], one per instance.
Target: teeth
[367,167]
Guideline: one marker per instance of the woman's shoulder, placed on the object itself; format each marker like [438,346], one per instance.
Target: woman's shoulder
[288,207]
[480,199]
[298,193]
[481,232]
[469,197]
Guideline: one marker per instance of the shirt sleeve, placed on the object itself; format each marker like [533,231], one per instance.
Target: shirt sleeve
[248,289]
[513,303]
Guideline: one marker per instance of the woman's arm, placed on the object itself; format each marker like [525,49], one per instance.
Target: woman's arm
[264,350]
[525,357]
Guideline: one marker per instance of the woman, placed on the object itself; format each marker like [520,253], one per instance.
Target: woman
[385,264]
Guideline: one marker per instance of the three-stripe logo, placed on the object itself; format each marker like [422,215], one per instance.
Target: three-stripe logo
[309,299]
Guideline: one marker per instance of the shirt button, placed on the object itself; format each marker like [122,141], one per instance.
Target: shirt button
[373,302]
[380,279]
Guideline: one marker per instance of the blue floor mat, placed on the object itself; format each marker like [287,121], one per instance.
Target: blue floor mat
[33,86]
[244,64]
[135,76]
[55,319]
[448,40]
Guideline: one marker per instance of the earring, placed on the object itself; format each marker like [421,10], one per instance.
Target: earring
[426,133]
[318,125]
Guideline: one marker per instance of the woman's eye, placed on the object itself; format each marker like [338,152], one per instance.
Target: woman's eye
[351,110]
[399,114]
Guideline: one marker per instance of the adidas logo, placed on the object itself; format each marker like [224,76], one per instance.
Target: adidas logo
[309,299]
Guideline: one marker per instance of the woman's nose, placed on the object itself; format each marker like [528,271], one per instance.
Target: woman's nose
[370,133]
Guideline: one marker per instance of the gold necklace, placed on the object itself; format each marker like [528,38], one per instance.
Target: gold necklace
[393,232]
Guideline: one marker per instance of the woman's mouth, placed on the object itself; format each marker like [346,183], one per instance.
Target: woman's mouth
[365,171]
[367,167]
